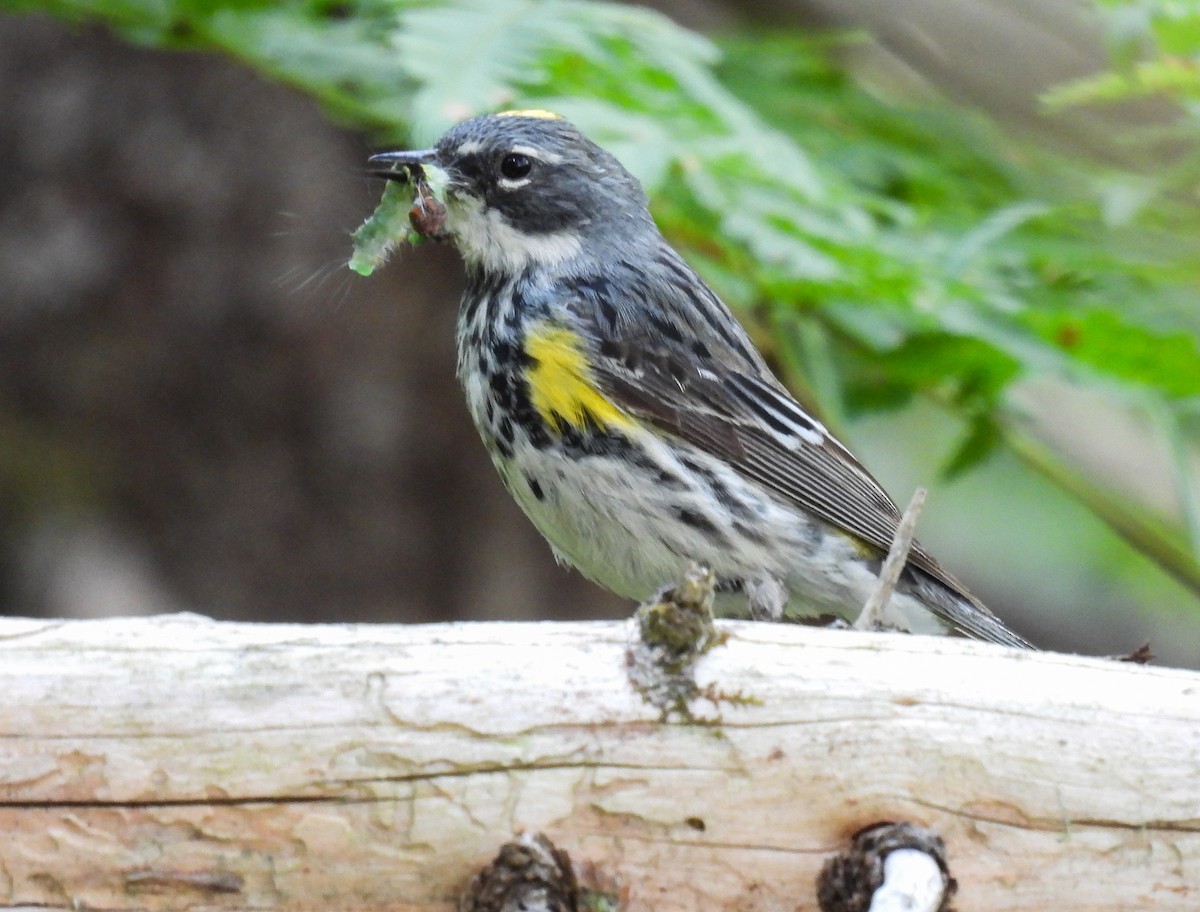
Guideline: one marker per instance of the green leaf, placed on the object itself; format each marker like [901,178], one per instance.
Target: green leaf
[1173,77]
[981,440]
[1115,347]
[498,46]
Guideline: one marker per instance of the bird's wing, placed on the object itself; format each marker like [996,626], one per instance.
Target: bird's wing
[757,428]
[720,397]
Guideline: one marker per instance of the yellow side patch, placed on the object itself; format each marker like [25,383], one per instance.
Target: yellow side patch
[561,388]
[536,112]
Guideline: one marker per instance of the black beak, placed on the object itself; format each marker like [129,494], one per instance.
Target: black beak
[400,166]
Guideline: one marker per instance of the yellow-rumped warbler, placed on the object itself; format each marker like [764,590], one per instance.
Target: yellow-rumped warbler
[627,410]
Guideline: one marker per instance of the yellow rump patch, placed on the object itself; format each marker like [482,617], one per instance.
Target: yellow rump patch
[560,383]
[535,112]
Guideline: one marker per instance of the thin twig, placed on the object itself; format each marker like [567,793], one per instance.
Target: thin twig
[871,617]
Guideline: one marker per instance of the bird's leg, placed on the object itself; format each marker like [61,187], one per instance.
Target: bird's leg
[767,598]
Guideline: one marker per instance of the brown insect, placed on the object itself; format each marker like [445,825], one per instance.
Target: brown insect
[428,214]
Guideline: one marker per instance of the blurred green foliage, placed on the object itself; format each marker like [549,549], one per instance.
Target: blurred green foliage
[1155,48]
[879,251]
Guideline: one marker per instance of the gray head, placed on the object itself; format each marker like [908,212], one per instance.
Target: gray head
[528,188]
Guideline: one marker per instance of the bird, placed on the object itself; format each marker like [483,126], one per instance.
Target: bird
[627,410]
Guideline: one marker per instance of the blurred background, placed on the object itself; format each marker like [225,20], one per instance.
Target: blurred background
[202,409]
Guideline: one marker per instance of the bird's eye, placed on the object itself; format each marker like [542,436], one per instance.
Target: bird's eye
[515,166]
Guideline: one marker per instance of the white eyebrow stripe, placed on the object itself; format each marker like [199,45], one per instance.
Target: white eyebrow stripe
[550,158]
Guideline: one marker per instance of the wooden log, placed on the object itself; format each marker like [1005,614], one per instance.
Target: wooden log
[173,762]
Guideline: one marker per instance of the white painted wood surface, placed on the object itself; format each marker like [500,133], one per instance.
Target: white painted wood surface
[174,762]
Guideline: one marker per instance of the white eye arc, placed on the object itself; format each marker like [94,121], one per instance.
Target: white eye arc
[514,170]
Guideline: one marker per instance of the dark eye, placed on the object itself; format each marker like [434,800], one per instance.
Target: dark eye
[515,166]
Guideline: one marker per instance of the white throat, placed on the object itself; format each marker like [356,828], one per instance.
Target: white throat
[485,238]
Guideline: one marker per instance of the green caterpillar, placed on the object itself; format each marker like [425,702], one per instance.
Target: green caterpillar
[385,229]
[409,211]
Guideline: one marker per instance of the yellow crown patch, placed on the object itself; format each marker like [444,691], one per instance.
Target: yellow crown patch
[536,112]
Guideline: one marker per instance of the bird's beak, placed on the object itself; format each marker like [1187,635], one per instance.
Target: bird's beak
[401,166]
